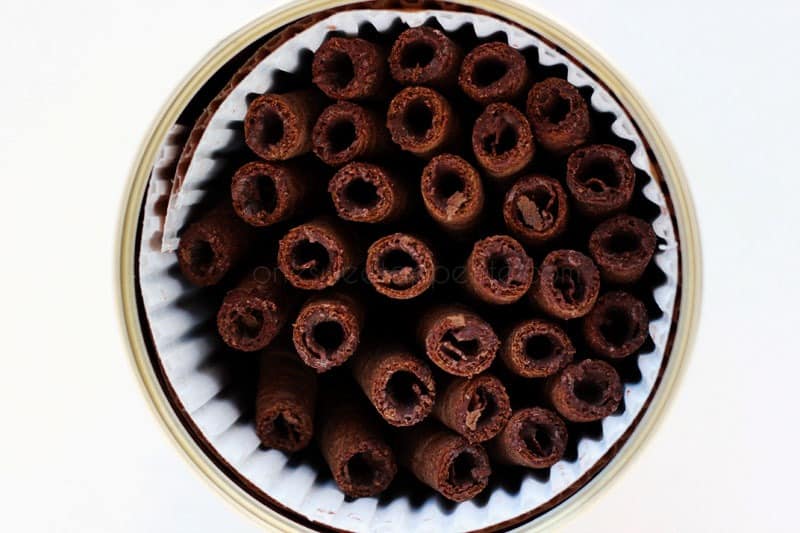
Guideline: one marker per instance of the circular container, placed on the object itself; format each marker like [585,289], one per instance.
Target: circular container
[667,173]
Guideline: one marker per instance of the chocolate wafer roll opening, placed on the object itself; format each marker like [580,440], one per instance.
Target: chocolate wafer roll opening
[421,121]
[353,445]
[316,255]
[349,68]
[212,246]
[600,178]
[476,408]
[425,56]
[400,266]
[346,131]
[452,192]
[502,140]
[537,349]
[498,270]
[493,72]
[585,391]
[559,115]
[567,284]
[457,340]
[617,326]
[285,402]
[534,437]
[362,192]
[446,462]
[327,330]
[278,126]
[265,193]
[253,312]
[399,385]
[622,247]
[535,209]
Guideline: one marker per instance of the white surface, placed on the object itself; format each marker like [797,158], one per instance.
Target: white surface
[82,80]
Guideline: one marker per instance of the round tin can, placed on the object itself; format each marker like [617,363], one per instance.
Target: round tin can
[671,179]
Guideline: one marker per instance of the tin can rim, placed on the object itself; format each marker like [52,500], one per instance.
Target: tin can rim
[662,151]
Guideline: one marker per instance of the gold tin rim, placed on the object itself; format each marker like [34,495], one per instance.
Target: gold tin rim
[662,152]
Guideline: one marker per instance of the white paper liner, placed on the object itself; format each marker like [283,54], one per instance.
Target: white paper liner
[190,354]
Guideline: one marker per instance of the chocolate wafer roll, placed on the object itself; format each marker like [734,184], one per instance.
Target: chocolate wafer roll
[445,461]
[328,329]
[567,284]
[287,393]
[425,56]
[536,349]
[617,326]
[452,192]
[349,68]
[255,311]
[317,254]
[422,121]
[265,193]
[502,140]
[622,247]
[398,384]
[600,178]
[534,437]
[400,266]
[498,270]
[457,340]
[353,445]
[494,72]
[346,131]
[476,408]
[363,192]
[278,126]
[210,247]
[535,209]
[558,114]
[585,391]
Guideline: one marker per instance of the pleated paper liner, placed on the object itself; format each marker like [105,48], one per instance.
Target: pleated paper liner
[211,387]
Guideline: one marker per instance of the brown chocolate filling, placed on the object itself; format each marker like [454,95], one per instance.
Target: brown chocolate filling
[498,270]
[476,408]
[210,247]
[362,192]
[400,266]
[425,56]
[559,115]
[327,330]
[536,349]
[585,391]
[567,285]
[278,126]
[600,178]
[399,385]
[622,247]
[347,68]
[493,72]
[452,192]
[315,255]
[265,193]
[617,326]
[535,209]
[502,140]
[346,131]
[458,341]
[421,121]
[534,437]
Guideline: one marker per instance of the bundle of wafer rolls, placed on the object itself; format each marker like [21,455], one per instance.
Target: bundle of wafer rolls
[437,253]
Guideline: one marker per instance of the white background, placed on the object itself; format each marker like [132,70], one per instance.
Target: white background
[81,82]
